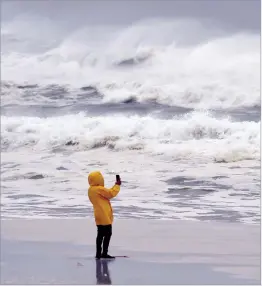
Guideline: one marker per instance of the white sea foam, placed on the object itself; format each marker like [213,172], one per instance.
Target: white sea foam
[177,63]
[197,134]
[170,62]
[144,190]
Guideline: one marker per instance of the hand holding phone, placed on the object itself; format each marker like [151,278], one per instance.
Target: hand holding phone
[118,180]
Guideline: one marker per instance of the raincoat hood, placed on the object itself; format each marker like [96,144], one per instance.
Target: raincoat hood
[96,179]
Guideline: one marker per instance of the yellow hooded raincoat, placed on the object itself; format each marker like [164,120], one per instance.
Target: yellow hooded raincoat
[100,197]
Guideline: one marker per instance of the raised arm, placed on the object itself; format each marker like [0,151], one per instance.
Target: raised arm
[109,193]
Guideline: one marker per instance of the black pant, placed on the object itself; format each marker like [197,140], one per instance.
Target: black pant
[104,233]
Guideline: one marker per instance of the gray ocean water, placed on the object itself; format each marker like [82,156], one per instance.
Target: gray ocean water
[171,102]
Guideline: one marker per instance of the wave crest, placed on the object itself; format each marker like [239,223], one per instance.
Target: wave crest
[161,61]
[196,134]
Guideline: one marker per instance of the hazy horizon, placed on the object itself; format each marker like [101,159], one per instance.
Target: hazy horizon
[236,15]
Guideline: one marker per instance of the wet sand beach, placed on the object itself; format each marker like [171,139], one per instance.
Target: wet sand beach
[61,251]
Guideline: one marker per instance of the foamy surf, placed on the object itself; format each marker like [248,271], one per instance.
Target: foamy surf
[167,67]
[189,136]
[173,106]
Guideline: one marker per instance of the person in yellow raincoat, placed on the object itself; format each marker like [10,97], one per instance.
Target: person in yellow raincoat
[100,197]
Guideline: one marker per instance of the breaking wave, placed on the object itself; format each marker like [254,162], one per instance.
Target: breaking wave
[176,63]
[192,135]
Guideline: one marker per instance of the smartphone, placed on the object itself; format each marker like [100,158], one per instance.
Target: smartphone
[117,178]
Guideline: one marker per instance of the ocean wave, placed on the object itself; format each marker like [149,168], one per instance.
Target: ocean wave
[197,134]
[130,92]
[148,61]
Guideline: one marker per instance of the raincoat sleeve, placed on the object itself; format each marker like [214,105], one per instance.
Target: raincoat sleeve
[109,193]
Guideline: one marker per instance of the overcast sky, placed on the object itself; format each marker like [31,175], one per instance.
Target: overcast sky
[238,14]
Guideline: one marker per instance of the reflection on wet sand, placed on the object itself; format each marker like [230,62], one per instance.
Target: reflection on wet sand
[102,272]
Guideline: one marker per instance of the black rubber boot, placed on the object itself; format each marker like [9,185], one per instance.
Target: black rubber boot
[107,256]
